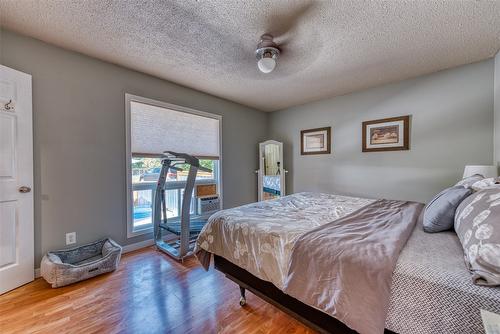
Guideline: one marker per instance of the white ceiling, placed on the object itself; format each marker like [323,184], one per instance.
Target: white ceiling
[328,48]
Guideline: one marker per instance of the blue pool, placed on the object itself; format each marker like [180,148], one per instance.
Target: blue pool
[142,212]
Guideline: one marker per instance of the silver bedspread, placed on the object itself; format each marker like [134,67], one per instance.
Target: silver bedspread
[259,237]
[432,291]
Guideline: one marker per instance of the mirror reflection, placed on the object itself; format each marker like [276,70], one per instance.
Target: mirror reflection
[271,170]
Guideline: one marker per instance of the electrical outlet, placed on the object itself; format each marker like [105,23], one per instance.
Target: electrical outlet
[70,238]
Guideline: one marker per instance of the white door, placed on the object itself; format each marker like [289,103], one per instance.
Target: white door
[16,180]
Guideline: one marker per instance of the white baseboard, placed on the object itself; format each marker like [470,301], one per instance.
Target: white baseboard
[125,249]
[138,245]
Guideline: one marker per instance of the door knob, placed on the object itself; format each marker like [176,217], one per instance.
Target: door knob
[24,189]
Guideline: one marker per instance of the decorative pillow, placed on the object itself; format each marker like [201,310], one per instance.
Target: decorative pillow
[439,213]
[477,223]
[470,180]
[486,183]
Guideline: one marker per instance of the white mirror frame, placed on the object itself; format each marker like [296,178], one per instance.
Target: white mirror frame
[260,171]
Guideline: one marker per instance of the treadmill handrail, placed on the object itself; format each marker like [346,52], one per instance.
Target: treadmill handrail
[192,160]
[188,158]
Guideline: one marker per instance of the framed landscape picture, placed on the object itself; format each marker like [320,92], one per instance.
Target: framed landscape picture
[389,134]
[315,141]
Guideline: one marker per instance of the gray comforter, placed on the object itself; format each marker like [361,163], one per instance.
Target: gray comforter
[344,268]
[335,253]
[259,237]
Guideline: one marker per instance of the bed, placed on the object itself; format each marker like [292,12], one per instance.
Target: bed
[254,245]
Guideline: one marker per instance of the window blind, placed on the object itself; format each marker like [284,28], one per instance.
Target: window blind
[157,129]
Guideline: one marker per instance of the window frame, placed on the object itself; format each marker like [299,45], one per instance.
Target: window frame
[128,155]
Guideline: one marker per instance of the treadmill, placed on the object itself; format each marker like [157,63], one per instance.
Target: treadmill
[185,229]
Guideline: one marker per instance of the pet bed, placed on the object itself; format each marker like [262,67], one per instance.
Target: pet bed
[63,267]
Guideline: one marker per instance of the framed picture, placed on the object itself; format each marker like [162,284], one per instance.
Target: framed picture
[316,141]
[389,134]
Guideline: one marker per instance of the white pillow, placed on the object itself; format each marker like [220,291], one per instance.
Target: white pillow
[469,181]
[492,182]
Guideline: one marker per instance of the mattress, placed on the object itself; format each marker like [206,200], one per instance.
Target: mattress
[432,291]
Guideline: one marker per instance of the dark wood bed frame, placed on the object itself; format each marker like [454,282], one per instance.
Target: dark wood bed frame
[310,316]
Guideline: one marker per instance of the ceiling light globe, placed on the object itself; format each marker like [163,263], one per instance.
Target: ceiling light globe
[266,65]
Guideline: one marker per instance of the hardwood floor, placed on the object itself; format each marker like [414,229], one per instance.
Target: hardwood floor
[149,293]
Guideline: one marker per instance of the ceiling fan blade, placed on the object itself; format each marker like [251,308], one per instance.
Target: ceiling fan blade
[280,25]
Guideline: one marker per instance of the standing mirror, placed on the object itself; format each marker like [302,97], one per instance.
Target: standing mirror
[271,174]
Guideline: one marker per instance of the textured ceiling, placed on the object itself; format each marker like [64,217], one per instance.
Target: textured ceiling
[328,48]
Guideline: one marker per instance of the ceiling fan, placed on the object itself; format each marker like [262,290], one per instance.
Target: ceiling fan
[268,51]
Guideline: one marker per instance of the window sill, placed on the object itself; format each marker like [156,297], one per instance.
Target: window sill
[138,232]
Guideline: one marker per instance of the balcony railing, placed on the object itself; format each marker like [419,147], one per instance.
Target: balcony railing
[143,199]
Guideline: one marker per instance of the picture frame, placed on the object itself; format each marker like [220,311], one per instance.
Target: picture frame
[316,141]
[388,134]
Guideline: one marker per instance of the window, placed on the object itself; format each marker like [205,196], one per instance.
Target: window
[152,128]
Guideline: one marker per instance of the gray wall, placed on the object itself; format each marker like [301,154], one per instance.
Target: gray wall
[451,126]
[79,134]
[497,108]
